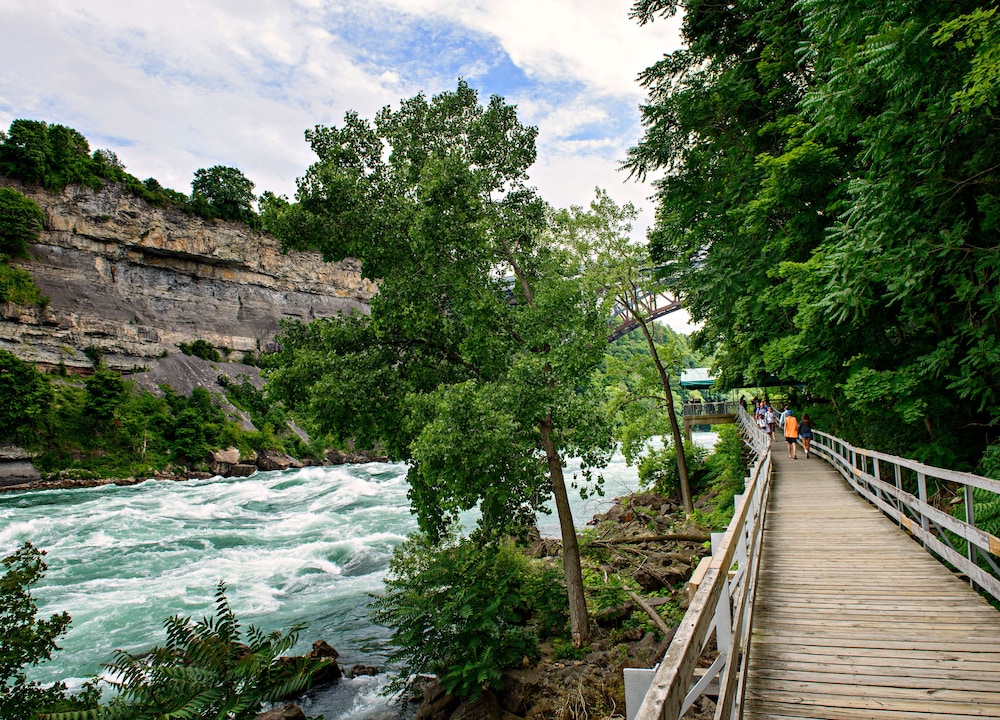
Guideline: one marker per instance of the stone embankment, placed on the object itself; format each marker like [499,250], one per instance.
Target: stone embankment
[134,281]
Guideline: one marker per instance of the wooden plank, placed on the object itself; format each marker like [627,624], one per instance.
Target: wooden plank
[794,711]
[975,704]
[816,675]
[855,620]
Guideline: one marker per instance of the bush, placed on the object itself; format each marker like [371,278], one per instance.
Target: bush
[25,398]
[21,220]
[658,468]
[25,640]
[18,287]
[459,610]
[208,669]
[202,349]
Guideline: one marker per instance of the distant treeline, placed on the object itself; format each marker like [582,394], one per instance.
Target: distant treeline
[54,156]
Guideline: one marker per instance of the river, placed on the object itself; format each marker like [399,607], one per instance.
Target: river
[300,546]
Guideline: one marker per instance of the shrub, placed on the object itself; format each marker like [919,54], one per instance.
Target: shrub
[25,640]
[459,610]
[202,349]
[207,669]
[21,221]
[25,397]
[658,468]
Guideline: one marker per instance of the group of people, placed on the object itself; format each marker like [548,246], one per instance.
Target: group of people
[792,428]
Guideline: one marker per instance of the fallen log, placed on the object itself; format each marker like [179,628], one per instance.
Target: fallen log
[680,537]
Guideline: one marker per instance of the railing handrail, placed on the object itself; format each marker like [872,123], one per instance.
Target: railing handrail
[863,470]
[710,407]
[723,601]
[725,591]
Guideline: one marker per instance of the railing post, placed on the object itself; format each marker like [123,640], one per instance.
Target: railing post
[899,491]
[925,523]
[970,518]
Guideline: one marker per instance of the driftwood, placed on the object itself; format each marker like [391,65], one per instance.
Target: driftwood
[680,537]
[668,632]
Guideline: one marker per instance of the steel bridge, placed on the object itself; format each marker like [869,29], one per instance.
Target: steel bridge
[842,591]
[652,304]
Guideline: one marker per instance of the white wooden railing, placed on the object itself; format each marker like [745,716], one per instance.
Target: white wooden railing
[722,602]
[882,480]
[725,583]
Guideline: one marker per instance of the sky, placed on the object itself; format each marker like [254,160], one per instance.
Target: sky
[174,86]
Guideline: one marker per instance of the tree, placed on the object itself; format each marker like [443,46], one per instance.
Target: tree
[25,397]
[25,640]
[106,392]
[620,271]
[475,364]
[225,191]
[829,211]
[21,220]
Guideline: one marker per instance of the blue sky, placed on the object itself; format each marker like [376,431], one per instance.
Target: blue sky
[174,86]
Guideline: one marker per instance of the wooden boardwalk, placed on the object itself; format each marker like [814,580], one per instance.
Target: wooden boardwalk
[853,620]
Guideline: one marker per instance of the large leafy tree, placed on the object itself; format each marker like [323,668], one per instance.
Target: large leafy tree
[224,191]
[25,398]
[475,363]
[829,207]
[619,270]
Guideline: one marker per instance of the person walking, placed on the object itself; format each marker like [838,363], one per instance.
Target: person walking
[806,433]
[791,427]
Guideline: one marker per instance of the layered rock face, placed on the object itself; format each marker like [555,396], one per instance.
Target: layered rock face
[135,281]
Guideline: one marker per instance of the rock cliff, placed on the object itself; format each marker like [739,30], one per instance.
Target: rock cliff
[135,281]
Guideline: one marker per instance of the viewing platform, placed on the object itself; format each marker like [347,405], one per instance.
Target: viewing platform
[708,413]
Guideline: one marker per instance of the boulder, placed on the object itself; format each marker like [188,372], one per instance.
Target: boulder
[16,467]
[360,670]
[290,711]
[485,708]
[329,670]
[274,460]
[435,703]
[242,470]
[230,456]
[17,472]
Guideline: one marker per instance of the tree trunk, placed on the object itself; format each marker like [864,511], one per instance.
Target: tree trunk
[675,430]
[578,619]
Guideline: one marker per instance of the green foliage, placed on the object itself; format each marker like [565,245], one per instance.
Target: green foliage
[201,349]
[223,192]
[21,221]
[54,156]
[207,670]
[829,208]
[725,472]
[105,394]
[25,398]
[658,468]
[446,372]
[461,611]
[25,640]
[18,287]
[605,590]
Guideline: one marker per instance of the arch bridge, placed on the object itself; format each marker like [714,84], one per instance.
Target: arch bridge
[849,585]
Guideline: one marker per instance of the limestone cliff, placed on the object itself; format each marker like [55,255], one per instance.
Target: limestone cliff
[136,280]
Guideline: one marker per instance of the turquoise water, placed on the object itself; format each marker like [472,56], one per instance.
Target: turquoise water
[305,546]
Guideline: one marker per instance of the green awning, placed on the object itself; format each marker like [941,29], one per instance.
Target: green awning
[696,378]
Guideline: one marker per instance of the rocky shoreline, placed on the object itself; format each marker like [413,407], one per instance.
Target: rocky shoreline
[643,536]
[18,474]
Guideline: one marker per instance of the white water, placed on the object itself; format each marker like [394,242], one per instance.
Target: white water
[299,546]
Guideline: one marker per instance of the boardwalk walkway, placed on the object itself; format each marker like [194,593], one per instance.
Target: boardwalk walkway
[853,620]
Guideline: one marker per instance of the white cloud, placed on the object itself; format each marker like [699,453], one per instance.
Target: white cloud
[172,87]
